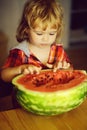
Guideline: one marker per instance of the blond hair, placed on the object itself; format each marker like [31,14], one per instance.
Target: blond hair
[47,12]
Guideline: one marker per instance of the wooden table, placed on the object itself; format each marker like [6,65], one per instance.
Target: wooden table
[19,119]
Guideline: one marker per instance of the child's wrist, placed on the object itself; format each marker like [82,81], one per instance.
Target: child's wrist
[18,70]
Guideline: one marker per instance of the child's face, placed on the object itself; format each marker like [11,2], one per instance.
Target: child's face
[41,38]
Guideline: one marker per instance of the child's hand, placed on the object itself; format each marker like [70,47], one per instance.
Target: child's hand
[61,65]
[29,69]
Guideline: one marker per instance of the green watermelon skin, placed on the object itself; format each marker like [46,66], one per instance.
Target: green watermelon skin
[52,103]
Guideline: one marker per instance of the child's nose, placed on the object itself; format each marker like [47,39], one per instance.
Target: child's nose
[45,37]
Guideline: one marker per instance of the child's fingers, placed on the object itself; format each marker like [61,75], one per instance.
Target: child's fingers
[66,65]
[57,66]
[29,69]
[26,71]
[61,65]
[34,69]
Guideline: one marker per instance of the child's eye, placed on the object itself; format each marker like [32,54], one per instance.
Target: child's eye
[52,33]
[39,33]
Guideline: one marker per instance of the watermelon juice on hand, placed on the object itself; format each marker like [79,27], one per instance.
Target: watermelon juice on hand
[51,93]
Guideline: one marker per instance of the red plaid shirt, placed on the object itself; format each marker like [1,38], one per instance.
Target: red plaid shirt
[18,57]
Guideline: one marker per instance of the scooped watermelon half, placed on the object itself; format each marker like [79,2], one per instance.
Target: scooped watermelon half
[51,93]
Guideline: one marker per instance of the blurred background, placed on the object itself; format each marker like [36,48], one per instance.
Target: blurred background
[75,32]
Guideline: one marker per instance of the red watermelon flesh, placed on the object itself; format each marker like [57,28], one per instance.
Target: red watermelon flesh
[49,81]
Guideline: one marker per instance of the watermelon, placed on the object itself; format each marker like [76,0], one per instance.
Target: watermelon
[51,93]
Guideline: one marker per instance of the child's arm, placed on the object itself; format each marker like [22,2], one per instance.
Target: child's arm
[7,74]
[16,64]
[62,60]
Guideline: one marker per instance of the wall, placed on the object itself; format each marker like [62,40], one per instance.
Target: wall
[67,15]
[10,12]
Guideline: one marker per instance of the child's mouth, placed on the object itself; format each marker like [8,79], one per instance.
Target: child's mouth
[44,44]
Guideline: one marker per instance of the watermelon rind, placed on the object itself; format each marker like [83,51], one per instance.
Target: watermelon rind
[50,103]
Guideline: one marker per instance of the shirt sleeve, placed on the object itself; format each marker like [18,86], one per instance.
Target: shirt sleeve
[62,56]
[58,55]
[15,58]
